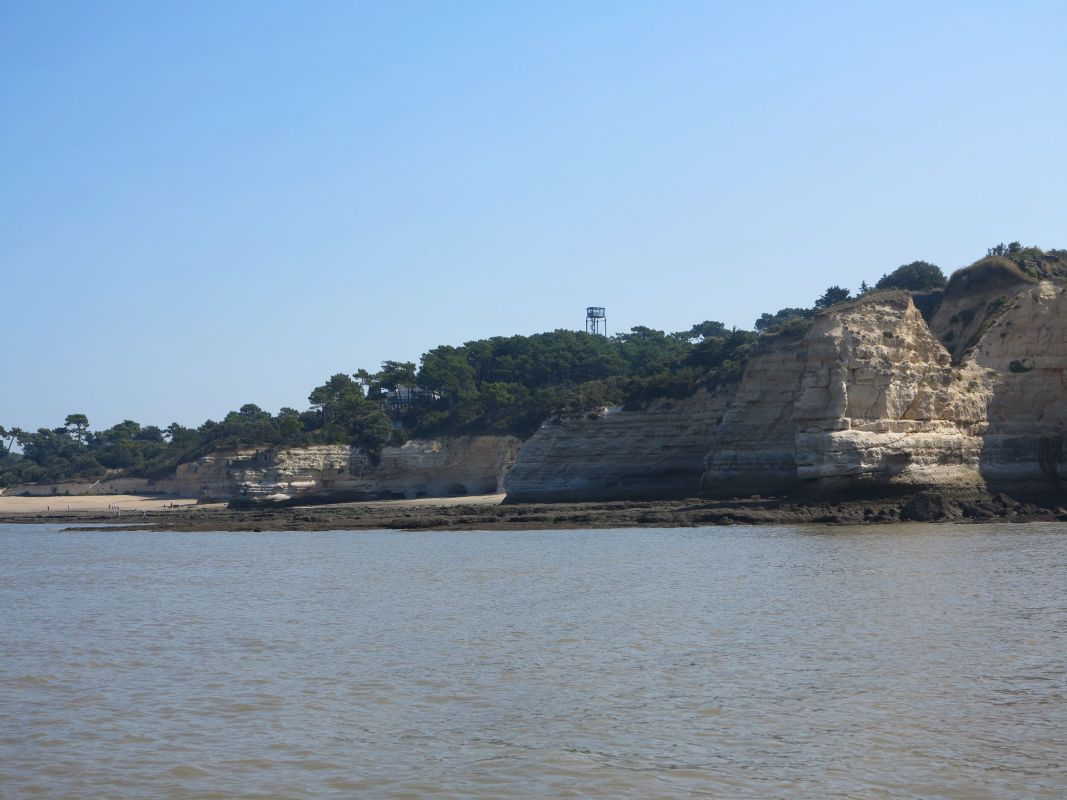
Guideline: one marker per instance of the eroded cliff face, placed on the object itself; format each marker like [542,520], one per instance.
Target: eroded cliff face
[421,468]
[656,452]
[447,466]
[867,395]
[870,396]
[1025,350]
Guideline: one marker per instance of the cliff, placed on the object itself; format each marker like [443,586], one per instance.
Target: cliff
[1025,350]
[868,395]
[324,473]
[872,396]
[332,473]
[656,452]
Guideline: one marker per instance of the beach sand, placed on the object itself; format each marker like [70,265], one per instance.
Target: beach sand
[93,502]
[105,503]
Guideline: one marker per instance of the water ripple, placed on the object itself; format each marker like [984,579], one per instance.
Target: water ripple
[733,663]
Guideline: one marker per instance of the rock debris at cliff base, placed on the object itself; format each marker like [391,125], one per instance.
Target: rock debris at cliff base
[919,507]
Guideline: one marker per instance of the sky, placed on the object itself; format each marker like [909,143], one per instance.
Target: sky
[208,204]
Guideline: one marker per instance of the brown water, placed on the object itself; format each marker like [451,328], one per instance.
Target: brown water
[921,661]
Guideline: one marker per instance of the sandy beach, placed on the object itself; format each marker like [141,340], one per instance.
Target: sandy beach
[129,503]
[96,503]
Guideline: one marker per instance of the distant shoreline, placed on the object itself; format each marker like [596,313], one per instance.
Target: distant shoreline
[487,512]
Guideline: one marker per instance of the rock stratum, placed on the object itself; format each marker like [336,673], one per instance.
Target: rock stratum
[655,452]
[872,396]
[451,466]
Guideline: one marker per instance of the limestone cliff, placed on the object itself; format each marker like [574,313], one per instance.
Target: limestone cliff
[654,452]
[456,465]
[1025,350]
[421,468]
[973,301]
[871,396]
[866,395]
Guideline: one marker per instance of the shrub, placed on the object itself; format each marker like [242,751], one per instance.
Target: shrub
[918,276]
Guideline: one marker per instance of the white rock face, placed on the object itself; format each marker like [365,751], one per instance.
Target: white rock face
[421,468]
[655,452]
[114,486]
[867,395]
[870,396]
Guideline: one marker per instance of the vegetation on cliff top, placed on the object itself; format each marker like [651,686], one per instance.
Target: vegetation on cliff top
[498,385]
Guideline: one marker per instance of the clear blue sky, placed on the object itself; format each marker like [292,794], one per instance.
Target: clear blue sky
[204,204]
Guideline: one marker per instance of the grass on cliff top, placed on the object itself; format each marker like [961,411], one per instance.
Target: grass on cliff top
[1029,265]
[990,272]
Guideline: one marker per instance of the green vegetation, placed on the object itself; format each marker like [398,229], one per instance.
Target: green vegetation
[1032,262]
[833,296]
[918,276]
[497,385]
[772,322]
[1020,366]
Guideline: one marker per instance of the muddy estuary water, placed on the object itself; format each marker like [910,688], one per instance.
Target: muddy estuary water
[882,662]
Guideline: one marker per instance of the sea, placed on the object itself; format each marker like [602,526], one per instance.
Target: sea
[915,661]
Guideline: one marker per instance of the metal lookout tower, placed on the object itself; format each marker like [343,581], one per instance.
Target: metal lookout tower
[596,321]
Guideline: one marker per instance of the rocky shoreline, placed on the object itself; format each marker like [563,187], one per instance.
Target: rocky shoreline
[927,506]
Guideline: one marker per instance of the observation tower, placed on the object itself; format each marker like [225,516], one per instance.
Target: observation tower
[596,321]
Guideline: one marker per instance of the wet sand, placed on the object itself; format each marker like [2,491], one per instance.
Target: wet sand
[489,512]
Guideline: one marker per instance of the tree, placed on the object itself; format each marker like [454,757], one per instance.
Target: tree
[395,374]
[648,351]
[445,369]
[1004,250]
[6,456]
[179,436]
[150,433]
[365,380]
[833,296]
[781,317]
[722,357]
[702,330]
[80,423]
[289,425]
[337,399]
[501,400]
[918,276]
[369,430]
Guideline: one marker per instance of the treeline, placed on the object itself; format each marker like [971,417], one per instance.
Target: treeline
[498,385]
